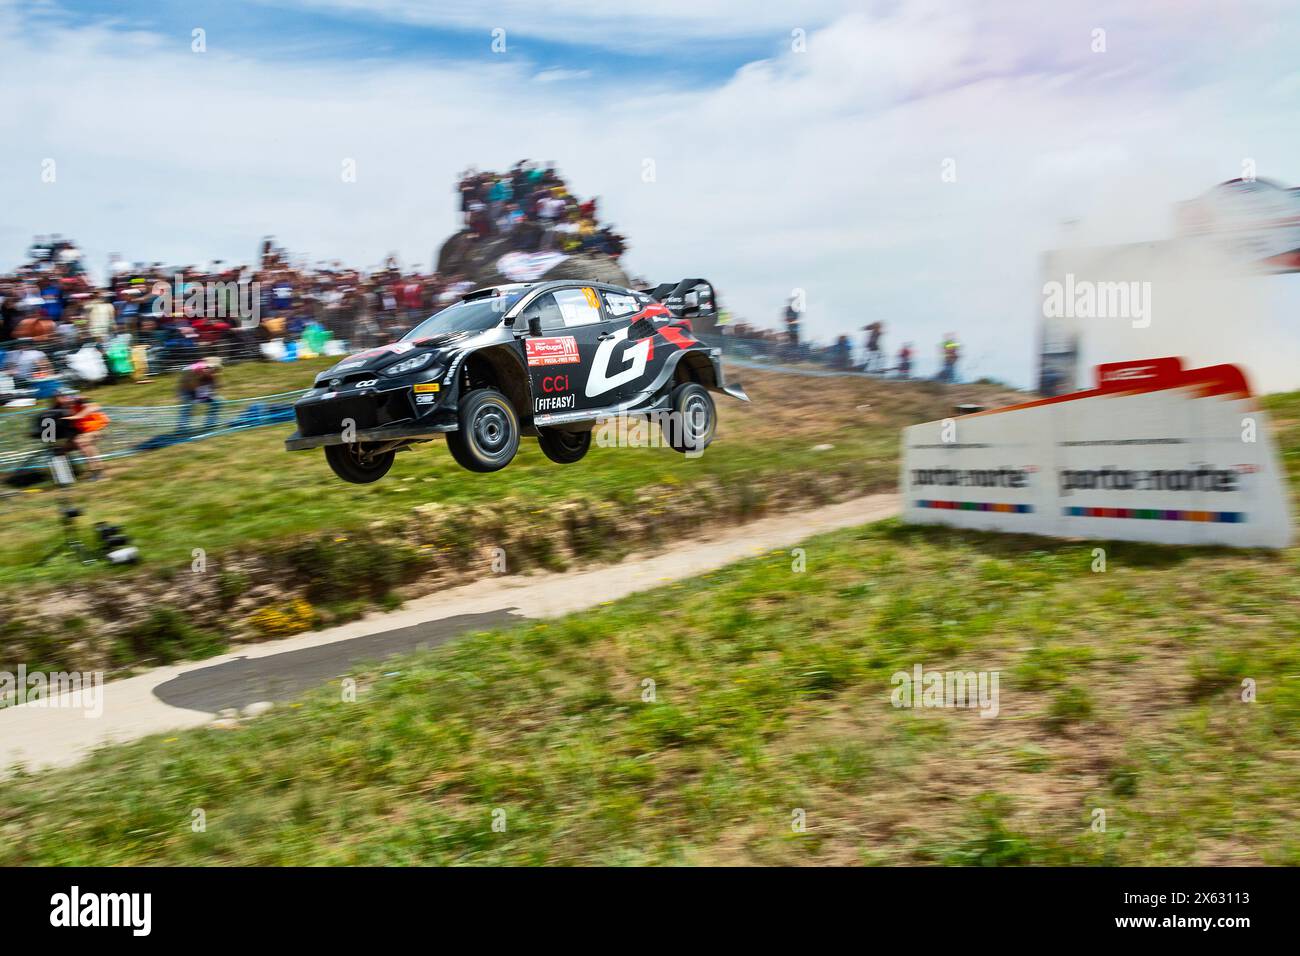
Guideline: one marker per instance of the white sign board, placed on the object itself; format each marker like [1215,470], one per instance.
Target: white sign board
[1155,452]
[1253,220]
[528,266]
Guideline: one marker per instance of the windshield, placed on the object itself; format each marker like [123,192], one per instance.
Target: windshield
[476,316]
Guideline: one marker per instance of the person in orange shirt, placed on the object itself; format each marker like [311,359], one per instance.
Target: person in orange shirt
[85,419]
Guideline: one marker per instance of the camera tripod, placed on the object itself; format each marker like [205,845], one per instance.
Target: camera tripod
[64,477]
[71,545]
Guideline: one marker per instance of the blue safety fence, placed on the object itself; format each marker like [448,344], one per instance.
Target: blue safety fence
[139,428]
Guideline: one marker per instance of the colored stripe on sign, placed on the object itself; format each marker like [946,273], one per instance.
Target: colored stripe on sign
[1157,514]
[994,506]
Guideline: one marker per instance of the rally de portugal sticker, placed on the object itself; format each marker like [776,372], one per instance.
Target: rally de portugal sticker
[558,350]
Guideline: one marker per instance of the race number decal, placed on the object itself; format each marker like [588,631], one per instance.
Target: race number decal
[601,381]
[559,350]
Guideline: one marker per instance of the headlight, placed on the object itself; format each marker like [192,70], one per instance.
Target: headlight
[409,365]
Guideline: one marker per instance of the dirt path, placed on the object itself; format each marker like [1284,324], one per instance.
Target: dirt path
[187,695]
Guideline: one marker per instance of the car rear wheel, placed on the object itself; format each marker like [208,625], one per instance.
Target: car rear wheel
[693,421]
[357,464]
[562,447]
[488,436]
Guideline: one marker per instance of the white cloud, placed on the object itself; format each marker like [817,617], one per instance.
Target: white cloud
[558,75]
[817,170]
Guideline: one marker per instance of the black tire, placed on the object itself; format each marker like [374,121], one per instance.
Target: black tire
[488,436]
[355,464]
[694,420]
[563,448]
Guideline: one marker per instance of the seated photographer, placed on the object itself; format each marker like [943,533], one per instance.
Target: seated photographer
[68,427]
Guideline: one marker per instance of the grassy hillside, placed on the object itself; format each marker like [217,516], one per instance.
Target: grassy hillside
[244,489]
[1119,691]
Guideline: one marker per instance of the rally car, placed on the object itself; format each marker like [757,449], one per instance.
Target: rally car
[544,359]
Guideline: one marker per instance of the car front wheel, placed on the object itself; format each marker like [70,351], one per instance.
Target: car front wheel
[488,436]
[357,464]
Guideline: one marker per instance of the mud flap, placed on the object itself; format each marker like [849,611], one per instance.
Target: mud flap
[735,391]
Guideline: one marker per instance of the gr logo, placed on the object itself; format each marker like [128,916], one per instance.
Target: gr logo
[601,381]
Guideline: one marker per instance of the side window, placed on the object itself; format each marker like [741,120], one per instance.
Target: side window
[619,304]
[544,307]
[564,309]
[577,306]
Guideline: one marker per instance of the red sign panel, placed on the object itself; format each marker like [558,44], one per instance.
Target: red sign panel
[559,350]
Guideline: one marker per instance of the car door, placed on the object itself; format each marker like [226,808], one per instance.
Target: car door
[560,358]
[628,355]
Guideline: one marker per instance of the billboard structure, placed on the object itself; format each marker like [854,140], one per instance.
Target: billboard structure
[1154,452]
[1241,228]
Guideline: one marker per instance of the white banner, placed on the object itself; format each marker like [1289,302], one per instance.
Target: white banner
[1155,452]
[528,266]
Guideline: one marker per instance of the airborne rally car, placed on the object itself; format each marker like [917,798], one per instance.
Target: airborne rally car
[547,359]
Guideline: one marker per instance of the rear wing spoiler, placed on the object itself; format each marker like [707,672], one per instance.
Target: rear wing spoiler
[690,298]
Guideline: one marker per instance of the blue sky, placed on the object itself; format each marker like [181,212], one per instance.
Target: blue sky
[777,165]
[456,32]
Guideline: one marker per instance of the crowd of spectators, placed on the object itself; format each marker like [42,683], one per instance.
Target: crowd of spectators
[788,345]
[50,306]
[146,318]
[532,206]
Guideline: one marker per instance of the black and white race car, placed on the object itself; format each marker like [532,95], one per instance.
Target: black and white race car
[548,359]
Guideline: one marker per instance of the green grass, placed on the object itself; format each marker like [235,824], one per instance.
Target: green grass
[1120,691]
[238,380]
[772,694]
[245,490]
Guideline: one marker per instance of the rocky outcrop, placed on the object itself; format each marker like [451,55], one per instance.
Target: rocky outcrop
[594,267]
[476,259]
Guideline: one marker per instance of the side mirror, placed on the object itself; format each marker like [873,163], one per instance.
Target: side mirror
[534,325]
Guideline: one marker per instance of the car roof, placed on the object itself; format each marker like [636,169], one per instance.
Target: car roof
[489,291]
[528,287]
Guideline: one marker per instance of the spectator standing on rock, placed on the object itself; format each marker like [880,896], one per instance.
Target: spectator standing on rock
[951,351]
[792,329]
[875,358]
[842,355]
[905,361]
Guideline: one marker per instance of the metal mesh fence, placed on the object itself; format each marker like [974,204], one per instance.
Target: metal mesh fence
[135,429]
